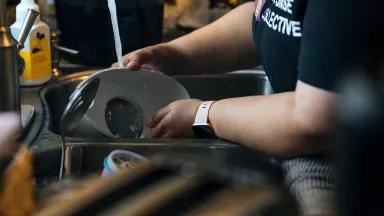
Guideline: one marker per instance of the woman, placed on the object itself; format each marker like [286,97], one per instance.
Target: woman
[305,47]
[302,48]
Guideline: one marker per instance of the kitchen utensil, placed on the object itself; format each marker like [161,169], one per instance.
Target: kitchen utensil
[10,61]
[79,103]
[119,160]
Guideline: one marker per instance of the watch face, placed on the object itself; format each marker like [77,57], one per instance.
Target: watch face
[203,131]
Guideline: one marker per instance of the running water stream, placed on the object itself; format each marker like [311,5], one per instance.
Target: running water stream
[116,33]
[119,54]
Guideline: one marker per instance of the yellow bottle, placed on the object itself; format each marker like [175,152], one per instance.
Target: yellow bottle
[36,52]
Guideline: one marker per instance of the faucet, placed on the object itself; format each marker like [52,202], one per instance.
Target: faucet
[56,51]
[11,64]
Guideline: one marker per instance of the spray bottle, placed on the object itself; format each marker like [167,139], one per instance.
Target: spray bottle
[36,52]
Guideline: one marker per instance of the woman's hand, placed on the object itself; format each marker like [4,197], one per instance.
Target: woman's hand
[163,57]
[175,120]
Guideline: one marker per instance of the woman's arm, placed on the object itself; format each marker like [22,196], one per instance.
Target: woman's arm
[287,124]
[222,46]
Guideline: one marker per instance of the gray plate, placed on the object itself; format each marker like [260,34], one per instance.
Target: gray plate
[146,91]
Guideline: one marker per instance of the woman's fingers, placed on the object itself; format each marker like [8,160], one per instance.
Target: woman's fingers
[139,58]
[159,115]
[132,61]
[175,120]
[161,57]
[156,132]
[168,135]
[156,125]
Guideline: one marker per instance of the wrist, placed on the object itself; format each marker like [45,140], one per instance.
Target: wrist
[201,126]
[196,107]
[213,117]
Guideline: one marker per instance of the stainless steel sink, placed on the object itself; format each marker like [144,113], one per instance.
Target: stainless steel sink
[221,86]
[205,87]
[227,158]
[87,147]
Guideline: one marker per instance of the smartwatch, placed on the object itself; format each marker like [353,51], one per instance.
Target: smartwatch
[202,128]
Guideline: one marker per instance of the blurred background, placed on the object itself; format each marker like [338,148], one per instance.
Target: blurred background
[85,25]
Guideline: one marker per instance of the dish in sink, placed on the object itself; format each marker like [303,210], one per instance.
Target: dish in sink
[126,100]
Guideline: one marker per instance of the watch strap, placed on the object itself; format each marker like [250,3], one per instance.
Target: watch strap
[202,114]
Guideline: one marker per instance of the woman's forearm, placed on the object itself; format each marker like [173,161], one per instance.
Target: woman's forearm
[282,124]
[222,46]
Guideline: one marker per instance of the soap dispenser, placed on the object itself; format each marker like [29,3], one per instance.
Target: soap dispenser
[36,52]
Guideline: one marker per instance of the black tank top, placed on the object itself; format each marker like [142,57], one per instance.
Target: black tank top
[316,41]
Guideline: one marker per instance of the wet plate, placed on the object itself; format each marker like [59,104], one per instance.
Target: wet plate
[126,100]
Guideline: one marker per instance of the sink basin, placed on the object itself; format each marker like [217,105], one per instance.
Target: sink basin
[229,85]
[205,87]
[227,158]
